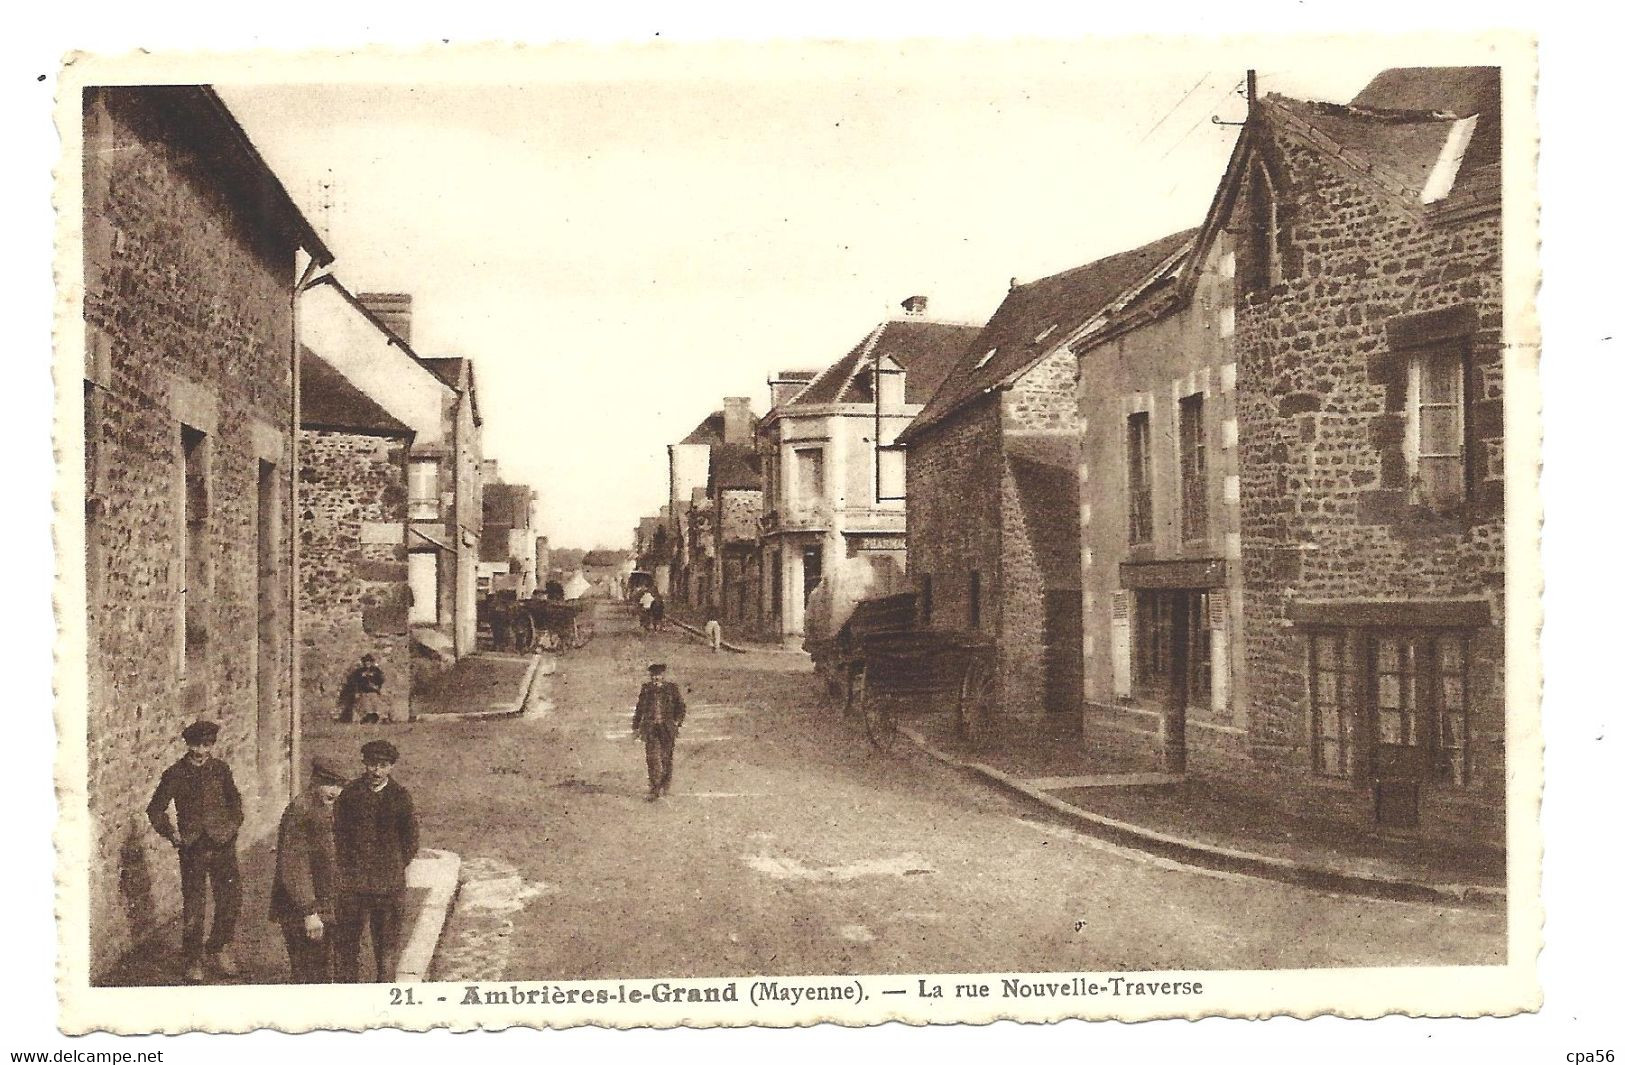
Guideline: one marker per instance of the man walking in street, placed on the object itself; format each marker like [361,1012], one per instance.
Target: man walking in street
[713,629]
[304,895]
[658,716]
[208,813]
[375,837]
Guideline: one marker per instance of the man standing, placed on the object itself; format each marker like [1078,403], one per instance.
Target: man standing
[208,812]
[658,716]
[646,604]
[304,894]
[713,628]
[375,835]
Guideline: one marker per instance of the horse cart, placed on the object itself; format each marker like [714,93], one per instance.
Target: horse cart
[525,624]
[882,658]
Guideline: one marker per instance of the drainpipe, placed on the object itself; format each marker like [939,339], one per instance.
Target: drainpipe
[295,752]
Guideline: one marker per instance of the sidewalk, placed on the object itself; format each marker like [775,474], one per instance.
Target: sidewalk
[734,638]
[486,684]
[1208,821]
[258,947]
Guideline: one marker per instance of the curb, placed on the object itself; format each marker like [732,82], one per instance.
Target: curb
[692,631]
[513,710]
[1226,859]
[437,871]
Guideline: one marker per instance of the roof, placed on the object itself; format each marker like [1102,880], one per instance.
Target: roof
[1044,310]
[196,116]
[1406,133]
[1045,471]
[926,349]
[327,400]
[450,369]
[735,466]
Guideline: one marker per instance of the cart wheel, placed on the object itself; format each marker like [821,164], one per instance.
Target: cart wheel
[878,721]
[975,710]
[851,683]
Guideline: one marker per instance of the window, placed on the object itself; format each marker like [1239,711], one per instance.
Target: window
[975,600]
[1153,639]
[423,490]
[423,578]
[194,543]
[810,475]
[1139,477]
[892,472]
[1192,469]
[925,599]
[1331,699]
[1435,428]
[1408,685]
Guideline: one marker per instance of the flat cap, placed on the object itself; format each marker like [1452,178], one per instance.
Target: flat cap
[201,732]
[375,751]
[657,667]
[323,770]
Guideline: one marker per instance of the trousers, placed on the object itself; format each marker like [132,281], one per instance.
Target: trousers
[310,960]
[659,744]
[381,915]
[713,633]
[207,865]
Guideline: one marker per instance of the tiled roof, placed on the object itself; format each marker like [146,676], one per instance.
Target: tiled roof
[1045,471]
[1036,316]
[709,431]
[735,466]
[327,400]
[1394,132]
[926,349]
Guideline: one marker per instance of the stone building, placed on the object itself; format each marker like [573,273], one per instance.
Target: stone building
[993,463]
[372,353]
[692,573]
[835,480]
[1159,521]
[1368,382]
[447,513]
[353,593]
[507,535]
[734,491]
[192,254]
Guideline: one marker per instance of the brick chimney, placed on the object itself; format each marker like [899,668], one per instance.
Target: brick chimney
[736,420]
[915,306]
[394,309]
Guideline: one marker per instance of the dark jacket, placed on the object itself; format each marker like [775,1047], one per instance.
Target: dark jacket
[376,835]
[306,874]
[660,704]
[207,803]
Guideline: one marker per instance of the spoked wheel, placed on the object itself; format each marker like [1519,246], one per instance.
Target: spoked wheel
[878,720]
[976,690]
[851,689]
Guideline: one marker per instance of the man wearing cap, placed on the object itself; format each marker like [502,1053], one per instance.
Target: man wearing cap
[208,813]
[658,716]
[304,894]
[375,833]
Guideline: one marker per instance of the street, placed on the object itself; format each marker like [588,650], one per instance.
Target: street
[787,846]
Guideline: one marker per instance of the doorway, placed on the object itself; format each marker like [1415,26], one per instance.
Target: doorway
[1174,660]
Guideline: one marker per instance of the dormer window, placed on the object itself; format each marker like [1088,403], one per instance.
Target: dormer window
[1260,235]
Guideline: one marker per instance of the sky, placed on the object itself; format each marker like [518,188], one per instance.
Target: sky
[620,241]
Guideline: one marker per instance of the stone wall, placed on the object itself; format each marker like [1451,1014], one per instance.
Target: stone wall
[1325,507]
[353,595]
[189,322]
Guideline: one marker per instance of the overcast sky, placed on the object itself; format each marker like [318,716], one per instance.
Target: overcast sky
[620,240]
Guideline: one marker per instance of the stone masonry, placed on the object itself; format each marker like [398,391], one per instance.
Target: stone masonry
[353,593]
[1325,510]
[189,322]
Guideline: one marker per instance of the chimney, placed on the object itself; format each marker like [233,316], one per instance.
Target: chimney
[736,420]
[394,309]
[915,306]
[784,387]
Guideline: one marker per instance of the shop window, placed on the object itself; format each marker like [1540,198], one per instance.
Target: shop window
[1331,699]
